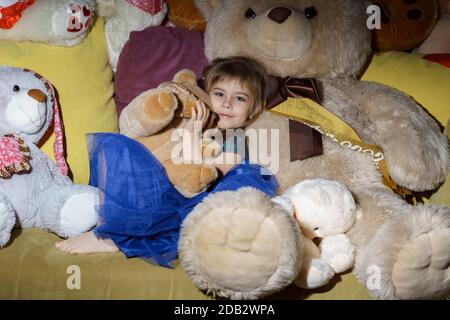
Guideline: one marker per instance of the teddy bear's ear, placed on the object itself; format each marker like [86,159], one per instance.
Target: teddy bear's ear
[185,76]
[206,7]
[105,8]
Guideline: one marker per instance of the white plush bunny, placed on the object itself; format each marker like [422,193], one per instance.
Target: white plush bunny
[324,209]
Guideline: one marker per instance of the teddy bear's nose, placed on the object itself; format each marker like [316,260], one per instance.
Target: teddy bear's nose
[280,14]
[37,95]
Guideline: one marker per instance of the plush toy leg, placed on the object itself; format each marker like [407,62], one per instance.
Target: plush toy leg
[338,252]
[148,113]
[69,210]
[315,272]
[190,179]
[7,220]
[409,255]
[240,245]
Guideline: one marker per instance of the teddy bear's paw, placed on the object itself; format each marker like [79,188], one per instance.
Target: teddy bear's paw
[148,113]
[208,174]
[338,252]
[79,213]
[409,257]
[7,221]
[160,106]
[315,273]
[428,159]
[240,245]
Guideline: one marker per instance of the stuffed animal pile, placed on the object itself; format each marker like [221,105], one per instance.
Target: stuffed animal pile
[242,245]
[34,191]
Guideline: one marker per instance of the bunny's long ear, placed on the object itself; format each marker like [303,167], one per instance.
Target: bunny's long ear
[206,7]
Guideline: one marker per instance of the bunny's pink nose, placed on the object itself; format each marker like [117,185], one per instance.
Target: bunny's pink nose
[37,95]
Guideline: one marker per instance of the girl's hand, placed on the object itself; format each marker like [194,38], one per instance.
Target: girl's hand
[200,114]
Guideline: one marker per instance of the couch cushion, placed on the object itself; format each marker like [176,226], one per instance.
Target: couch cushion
[427,82]
[153,56]
[33,268]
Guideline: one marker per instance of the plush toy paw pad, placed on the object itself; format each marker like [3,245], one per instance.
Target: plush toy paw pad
[160,105]
[79,213]
[237,245]
[422,265]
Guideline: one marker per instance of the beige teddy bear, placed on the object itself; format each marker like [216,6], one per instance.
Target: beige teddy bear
[240,244]
[154,115]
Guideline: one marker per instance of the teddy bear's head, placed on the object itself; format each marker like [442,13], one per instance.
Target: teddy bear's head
[25,104]
[321,207]
[308,38]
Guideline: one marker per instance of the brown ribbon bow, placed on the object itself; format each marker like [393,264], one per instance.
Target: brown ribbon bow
[305,142]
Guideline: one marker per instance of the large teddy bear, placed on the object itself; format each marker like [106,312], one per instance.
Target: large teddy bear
[34,191]
[241,244]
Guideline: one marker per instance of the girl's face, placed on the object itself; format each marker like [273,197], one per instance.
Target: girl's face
[232,103]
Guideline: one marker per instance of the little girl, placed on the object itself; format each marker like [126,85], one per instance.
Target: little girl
[141,211]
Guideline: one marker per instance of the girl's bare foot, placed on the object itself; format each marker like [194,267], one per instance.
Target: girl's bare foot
[87,243]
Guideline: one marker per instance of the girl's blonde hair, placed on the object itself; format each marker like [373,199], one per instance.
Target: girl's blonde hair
[247,71]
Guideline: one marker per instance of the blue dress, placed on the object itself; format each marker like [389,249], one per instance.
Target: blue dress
[141,211]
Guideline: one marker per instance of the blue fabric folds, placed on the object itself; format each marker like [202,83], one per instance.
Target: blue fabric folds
[141,211]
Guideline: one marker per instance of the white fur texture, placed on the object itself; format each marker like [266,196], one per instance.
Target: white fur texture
[322,207]
[79,213]
[123,18]
[26,115]
[47,21]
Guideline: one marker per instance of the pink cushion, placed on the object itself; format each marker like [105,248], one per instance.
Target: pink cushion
[153,56]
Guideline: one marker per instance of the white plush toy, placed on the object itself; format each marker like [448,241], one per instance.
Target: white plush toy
[56,22]
[324,209]
[125,16]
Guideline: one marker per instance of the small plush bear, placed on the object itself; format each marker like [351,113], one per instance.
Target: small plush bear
[152,117]
[56,22]
[325,210]
[34,191]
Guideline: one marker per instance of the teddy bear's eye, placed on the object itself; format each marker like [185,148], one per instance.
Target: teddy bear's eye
[250,14]
[316,228]
[310,12]
[16,88]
